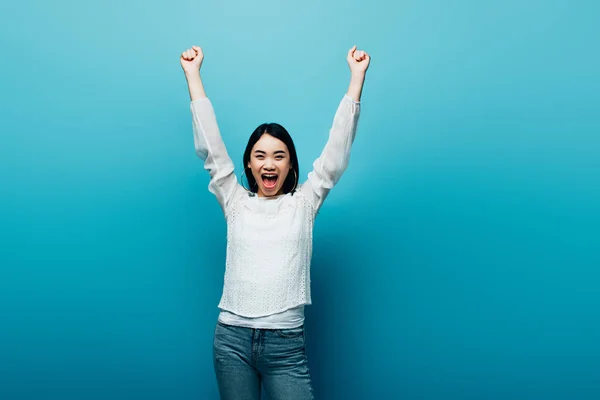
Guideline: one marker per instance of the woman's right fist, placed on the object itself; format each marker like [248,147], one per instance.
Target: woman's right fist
[191,59]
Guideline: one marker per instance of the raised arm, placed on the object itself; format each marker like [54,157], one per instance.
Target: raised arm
[334,159]
[358,61]
[207,137]
[191,61]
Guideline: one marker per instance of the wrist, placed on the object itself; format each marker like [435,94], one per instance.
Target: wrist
[192,74]
[358,75]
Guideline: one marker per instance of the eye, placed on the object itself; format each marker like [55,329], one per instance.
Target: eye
[279,158]
[259,157]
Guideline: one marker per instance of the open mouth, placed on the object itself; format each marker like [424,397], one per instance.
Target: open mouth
[269,180]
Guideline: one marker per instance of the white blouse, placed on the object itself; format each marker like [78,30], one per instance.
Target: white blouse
[269,239]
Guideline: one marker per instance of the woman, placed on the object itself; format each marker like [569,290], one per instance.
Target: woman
[259,338]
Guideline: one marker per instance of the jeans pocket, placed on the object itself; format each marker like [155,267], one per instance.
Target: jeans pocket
[290,333]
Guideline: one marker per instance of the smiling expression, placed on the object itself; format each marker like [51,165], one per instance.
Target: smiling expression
[270,165]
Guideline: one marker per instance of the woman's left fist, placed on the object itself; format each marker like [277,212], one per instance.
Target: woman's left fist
[358,60]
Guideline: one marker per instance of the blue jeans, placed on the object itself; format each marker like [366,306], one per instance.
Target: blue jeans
[245,358]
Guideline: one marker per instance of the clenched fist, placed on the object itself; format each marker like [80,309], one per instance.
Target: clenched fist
[191,59]
[358,60]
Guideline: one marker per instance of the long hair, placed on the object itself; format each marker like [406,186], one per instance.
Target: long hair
[278,132]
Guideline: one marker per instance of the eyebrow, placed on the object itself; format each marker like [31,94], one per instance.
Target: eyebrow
[263,152]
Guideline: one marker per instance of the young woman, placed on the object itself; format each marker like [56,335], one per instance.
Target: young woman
[259,337]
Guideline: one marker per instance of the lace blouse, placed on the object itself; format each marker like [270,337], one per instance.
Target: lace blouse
[269,239]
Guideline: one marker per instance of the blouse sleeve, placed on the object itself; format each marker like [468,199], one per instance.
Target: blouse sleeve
[333,161]
[211,149]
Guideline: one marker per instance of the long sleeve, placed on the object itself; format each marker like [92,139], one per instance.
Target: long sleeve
[334,159]
[211,149]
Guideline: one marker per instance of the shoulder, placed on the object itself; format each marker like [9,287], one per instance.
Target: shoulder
[239,195]
[305,194]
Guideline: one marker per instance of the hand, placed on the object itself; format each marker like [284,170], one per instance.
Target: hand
[358,60]
[191,59]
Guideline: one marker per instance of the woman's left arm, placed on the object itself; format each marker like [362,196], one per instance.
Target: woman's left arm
[333,161]
[359,63]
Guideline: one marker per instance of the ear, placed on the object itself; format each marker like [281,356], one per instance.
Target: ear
[248,166]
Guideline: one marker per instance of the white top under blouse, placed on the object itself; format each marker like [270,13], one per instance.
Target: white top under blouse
[269,239]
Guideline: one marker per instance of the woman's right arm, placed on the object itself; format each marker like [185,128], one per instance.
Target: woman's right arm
[207,137]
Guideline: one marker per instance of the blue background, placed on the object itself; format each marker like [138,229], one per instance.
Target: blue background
[458,258]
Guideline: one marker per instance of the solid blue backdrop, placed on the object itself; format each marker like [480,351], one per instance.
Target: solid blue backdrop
[457,258]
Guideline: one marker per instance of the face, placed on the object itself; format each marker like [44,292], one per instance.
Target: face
[270,165]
